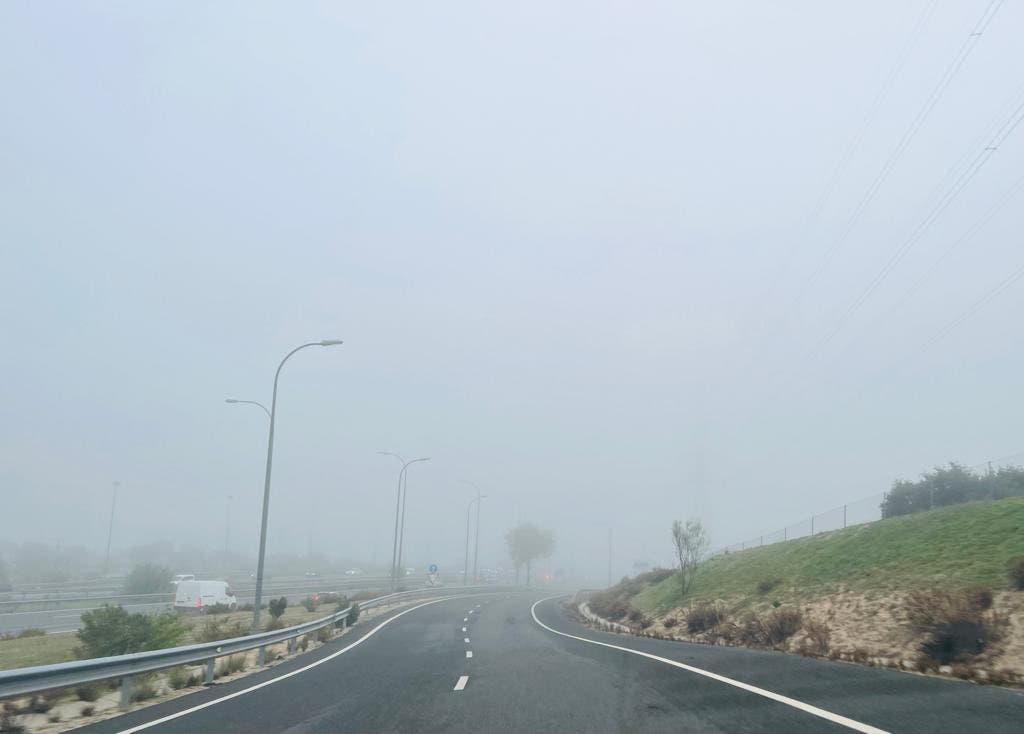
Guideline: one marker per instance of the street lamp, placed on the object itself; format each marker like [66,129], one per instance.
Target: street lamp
[110,529]
[266,481]
[234,401]
[476,551]
[396,547]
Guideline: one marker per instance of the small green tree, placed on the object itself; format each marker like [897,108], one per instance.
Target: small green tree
[276,607]
[148,578]
[526,543]
[111,630]
[691,543]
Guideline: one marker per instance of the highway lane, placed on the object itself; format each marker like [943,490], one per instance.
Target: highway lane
[411,671]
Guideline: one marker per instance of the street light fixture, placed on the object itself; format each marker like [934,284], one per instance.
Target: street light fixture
[266,481]
[396,546]
[234,401]
[476,551]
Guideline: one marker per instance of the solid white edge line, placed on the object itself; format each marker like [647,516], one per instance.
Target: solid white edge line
[805,707]
[461,684]
[250,689]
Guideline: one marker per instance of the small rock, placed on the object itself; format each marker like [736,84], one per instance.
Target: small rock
[908,665]
[946,669]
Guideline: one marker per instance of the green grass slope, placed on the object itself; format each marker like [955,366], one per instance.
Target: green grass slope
[956,546]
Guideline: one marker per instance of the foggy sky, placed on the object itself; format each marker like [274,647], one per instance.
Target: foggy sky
[563,246]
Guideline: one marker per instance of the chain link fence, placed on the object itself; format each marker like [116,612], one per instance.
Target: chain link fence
[865,510]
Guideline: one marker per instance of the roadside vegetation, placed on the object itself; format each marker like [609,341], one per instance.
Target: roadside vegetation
[939,591]
[954,484]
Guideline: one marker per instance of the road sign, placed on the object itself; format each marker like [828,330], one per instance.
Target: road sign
[433,568]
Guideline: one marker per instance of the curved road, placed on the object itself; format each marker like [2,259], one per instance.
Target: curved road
[523,665]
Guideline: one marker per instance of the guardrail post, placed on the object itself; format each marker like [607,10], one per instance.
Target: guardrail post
[291,646]
[209,671]
[126,692]
[261,656]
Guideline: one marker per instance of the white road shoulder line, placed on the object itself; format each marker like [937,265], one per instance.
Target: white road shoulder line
[469,653]
[250,689]
[463,680]
[806,707]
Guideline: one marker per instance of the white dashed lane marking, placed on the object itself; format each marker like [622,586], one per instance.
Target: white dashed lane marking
[463,680]
[469,653]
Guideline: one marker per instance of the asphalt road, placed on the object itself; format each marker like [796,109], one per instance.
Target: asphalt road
[534,669]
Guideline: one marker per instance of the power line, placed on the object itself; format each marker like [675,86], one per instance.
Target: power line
[1007,128]
[897,153]
[988,296]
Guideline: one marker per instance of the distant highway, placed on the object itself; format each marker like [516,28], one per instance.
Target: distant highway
[518,663]
[68,619]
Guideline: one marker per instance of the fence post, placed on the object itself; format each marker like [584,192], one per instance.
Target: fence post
[762,540]
[844,516]
[209,671]
[785,534]
[126,692]
[812,524]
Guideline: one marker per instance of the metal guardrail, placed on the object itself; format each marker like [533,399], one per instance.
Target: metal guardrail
[39,678]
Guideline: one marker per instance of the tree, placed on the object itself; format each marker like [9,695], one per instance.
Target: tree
[691,543]
[113,631]
[526,543]
[148,578]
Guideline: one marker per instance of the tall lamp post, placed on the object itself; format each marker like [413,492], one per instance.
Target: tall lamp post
[396,548]
[476,551]
[110,529]
[266,481]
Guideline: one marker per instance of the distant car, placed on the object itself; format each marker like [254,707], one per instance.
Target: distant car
[197,596]
[354,572]
[410,571]
[178,578]
[311,574]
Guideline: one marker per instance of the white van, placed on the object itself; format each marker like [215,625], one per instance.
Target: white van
[197,595]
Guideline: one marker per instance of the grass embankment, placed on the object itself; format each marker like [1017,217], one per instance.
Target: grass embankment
[59,648]
[952,547]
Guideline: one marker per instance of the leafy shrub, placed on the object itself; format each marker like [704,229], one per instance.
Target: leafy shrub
[231,664]
[39,704]
[609,604]
[954,624]
[324,634]
[148,578]
[113,631]
[703,618]
[670,622]
[819,637]
[766,585]
[54,717]
[1015,570]
[144,689]
[781,624]
[247,607]
[353,616]
[31,632]
[310,603]
[220,629]
[956,640]
[180,677]
[331,597]
[87,710]
[274,623]
[217,608]
[979,598]
[9,725]
[276,607]
[88,692]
